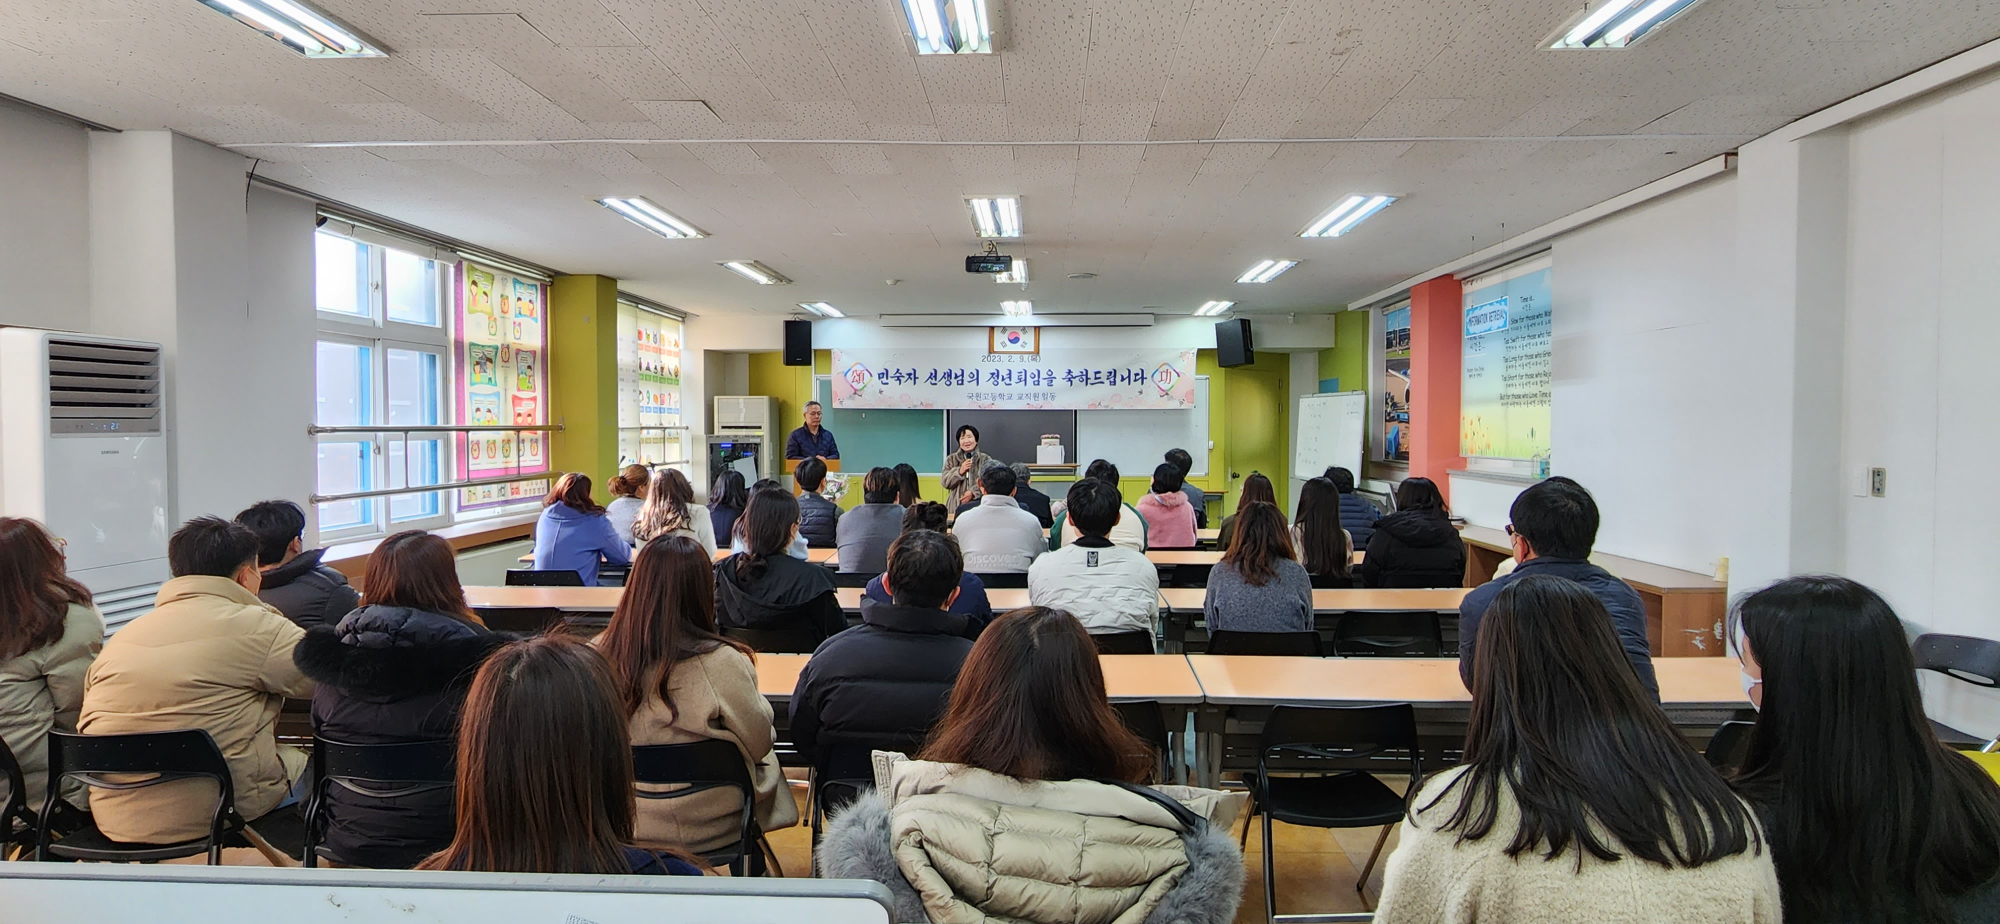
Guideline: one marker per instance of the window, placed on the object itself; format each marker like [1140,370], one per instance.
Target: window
[381,361]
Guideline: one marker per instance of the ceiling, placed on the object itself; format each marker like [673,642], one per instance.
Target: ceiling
[1100,86]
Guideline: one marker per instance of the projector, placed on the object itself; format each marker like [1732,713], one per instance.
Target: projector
[989,263]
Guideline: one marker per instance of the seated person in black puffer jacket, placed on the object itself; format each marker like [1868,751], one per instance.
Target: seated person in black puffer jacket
[1357,515]
[392,672]
[294,581]
[1416,546]
[819,518]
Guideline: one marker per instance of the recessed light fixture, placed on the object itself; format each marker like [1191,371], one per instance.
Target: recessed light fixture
[1019,274]
[642,212]
[1617,23]
[948,27]
[1083,275]
[1212,308]
[1351,211]
[301,28]
[1266,270]
[822,309]
[1017,309]
[756,272]
[995,216]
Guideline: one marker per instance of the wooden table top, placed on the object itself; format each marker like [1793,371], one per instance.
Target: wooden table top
[1002,598]
[1641,574]
[827,557]
[1127,678]
[1207,535]
[1371,600]
[580,599]
[1250,680]
[1184,558]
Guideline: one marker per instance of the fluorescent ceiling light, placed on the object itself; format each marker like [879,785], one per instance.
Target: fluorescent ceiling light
[822,309]
[995,216]
[756,272]
[1019,274]
[1266,270]
[945,27]
[1212,308]
[301,28]
[1017,309]
[1350,212]
[642,212]
[1617,23]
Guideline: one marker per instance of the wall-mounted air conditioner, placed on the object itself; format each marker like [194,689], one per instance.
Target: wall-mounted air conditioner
[83,449]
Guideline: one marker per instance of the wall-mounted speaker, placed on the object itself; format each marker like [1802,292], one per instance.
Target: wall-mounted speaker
[798,343]
[1232,343]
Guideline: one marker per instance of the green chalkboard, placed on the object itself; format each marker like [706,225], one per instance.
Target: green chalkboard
[872,437]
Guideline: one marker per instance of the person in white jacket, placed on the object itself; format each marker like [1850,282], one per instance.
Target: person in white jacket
[998,536]
[1107,587]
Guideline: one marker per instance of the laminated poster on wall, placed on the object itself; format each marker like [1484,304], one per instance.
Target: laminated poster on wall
[1396,383]
[649,387]
[1504,406]
[499,341]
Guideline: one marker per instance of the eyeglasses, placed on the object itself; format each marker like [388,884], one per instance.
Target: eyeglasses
[1510,529]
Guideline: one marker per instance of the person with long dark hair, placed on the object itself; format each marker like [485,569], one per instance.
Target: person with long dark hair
[864,533]
[682,681]
[909,491]
[1870,817]
[670,510]
[545,769]
[573,533]
[764,587]
[726,499]
[1256,489]
[394,671]
[1324,546]
[1023,804]
[1416,546]
[1578,800]
[49,634]
[1259,585]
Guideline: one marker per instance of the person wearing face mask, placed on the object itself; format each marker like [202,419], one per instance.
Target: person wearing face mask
[962,467]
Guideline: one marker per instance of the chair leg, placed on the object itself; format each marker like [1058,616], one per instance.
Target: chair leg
[1270,875]
[1249,815]
[1361,885]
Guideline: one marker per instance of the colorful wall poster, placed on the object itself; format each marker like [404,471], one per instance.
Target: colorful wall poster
[649,388]
[1505,381]
[1054,379]
[1396,383]
[497,349]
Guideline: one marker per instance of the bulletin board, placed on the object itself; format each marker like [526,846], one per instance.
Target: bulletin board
[498,350]
[649,388]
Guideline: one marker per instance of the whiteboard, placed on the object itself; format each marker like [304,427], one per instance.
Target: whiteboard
[1330,429]
[1137,441]
[67,893]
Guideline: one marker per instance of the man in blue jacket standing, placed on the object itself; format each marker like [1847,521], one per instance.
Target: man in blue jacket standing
[1554,525]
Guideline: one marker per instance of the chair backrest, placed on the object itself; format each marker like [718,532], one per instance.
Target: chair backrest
[1402,635]
[1309,734]
[1136,641]
[854,578]
[1225,642]
[1189,576]
[1973,660]
[15,809]
[163,756]
[1730,745]
[524,577]
[407,762]
[700,766]
[841,772]
[777,641]
[1332,581]
[1407,579]
[1007,580]
[526,620]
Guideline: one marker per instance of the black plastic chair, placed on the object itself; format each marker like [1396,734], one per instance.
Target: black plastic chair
[842,772]
[854,578]
[1730,746]
[1325,741]
[1422,579]
[163,757]
[777,641]
[1144,719]
[526,577]
[1187,576]
[17,821]
[1332,581]
[1296,644]
[1379,635]
[1004,581]
[523,620]
[1961,657]
[1136,641]
[698,767]
[382,771]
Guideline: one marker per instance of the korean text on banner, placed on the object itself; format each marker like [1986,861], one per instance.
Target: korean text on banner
[1084,379]
[1505,385]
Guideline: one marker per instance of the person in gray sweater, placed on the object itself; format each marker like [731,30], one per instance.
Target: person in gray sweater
[1259,586]
[865,532]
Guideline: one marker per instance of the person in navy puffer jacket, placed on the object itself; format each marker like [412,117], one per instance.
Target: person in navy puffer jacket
[1357,516]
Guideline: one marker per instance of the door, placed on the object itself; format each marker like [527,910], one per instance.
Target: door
[1259,437]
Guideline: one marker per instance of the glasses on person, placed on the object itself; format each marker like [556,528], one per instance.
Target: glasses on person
[1510,529]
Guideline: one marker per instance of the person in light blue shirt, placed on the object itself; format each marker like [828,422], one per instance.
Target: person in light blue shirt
[574,534]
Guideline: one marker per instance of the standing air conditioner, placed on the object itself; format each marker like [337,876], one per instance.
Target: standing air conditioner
[83,449]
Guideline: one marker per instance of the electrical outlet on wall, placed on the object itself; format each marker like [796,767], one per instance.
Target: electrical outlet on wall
[1878,482]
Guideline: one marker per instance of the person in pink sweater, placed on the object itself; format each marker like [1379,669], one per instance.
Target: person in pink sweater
[1169,516]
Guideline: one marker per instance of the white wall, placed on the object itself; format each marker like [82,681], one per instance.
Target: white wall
[44,222]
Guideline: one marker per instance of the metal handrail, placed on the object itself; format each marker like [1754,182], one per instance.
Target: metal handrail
[315,429]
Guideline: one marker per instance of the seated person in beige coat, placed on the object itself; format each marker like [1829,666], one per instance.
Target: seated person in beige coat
[683,682]
[210,655]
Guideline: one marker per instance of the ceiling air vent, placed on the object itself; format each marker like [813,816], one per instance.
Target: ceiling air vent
[103,389]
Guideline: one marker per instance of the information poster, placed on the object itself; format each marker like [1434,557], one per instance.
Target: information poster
[498,348]
[1396,384]
[649,388]
[1053,379]
[1504,392]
